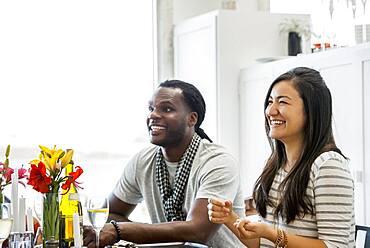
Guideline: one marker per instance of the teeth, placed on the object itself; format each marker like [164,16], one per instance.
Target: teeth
[276,122]
[157,128]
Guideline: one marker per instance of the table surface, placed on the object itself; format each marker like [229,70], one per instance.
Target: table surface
[164,245]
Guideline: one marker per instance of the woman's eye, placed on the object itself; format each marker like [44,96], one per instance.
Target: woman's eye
[150,108]
[282,102]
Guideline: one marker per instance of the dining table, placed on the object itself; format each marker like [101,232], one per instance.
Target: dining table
[159,245]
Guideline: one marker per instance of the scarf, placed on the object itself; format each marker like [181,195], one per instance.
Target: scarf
[173,199]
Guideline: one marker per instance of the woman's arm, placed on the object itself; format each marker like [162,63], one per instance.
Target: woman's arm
[255,230]
[220,212]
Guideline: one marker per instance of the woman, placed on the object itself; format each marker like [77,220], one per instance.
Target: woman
[305,192]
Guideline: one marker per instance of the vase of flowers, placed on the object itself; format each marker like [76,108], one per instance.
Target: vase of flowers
[47,178]
[296,29]
[6,175]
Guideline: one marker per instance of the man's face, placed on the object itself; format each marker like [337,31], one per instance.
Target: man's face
[169,120]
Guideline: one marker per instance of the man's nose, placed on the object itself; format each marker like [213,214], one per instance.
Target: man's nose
[153,114]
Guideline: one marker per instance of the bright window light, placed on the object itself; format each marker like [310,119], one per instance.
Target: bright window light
[76,74]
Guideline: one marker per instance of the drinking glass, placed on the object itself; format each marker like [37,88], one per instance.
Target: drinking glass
[6,222]
[98,211]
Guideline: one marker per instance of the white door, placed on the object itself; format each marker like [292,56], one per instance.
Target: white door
[195,52]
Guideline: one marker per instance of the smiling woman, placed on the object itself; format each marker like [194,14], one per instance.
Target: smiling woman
[76,74]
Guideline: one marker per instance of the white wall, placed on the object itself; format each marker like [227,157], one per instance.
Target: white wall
[184,9]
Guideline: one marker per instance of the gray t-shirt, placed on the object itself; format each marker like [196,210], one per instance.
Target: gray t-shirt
[214,173]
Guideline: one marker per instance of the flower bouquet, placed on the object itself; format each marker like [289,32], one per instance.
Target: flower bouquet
[46,177]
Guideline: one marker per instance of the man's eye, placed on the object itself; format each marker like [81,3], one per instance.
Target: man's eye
[282,102]
[269,102]
[167,109]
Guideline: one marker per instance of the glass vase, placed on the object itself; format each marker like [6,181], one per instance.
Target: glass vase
[294,44]
[50,220]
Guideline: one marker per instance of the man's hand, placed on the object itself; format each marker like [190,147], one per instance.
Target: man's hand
[107,236]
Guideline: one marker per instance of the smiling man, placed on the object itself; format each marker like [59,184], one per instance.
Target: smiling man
[175,177]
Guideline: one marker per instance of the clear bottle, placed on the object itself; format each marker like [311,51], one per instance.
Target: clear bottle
[69,204]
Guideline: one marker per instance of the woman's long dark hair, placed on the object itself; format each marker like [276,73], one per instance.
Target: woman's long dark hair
[318,138]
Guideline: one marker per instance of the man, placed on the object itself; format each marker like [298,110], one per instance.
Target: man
[175,177]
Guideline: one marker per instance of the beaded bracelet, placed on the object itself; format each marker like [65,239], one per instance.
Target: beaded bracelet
[118,231]
[281,239]
[285,239]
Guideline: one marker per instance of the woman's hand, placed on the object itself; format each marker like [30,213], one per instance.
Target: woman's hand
[221,211]
[251,230]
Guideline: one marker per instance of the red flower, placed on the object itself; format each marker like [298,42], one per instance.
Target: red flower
[38,178]
[8,174]
[72,179]
[22,173]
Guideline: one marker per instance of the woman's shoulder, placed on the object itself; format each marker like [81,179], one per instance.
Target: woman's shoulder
[330,163]
[325,157]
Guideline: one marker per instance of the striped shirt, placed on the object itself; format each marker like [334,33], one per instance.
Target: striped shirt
[331,191]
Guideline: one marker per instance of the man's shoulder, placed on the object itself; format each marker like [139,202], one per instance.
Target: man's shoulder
[214,152]
[208,149]
[145,154]
[149,149]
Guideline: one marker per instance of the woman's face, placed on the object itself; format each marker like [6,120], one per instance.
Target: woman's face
[285,113]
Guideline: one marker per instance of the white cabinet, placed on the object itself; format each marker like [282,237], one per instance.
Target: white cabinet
[209,51]
[347,74]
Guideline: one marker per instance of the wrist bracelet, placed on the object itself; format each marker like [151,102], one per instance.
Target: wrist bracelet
[281,239]
[118,231]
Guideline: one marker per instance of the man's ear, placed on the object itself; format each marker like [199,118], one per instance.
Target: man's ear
[193,119]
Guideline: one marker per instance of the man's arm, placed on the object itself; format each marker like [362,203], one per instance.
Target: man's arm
[119,210]
[197,228]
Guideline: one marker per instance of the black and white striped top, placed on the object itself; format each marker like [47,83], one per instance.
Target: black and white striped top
[331,190]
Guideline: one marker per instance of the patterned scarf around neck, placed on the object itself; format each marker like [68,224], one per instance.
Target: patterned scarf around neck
[173,199]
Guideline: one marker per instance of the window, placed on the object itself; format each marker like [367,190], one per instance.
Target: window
[76,74]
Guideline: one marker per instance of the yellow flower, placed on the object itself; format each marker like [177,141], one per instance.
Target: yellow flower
[67,158]
[45,150]
[50,157]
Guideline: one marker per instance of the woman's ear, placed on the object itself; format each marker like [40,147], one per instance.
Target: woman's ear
[193,119]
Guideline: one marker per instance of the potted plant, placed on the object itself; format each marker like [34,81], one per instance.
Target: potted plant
[296,29]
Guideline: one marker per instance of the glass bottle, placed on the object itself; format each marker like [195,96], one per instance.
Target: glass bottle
[69,204]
